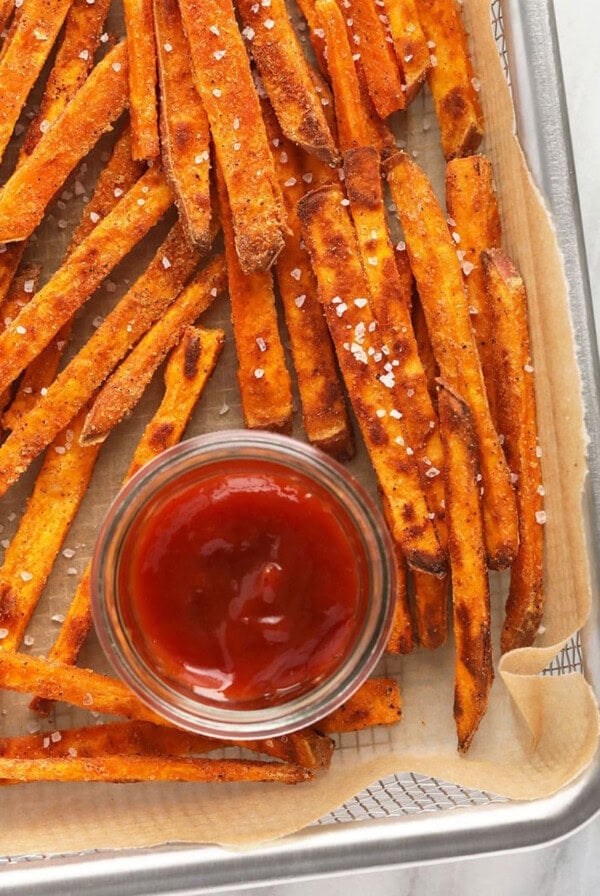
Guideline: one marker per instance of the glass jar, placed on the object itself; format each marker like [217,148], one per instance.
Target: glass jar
[192,464]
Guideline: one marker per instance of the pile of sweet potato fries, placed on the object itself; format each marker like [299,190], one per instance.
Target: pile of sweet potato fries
[283,163]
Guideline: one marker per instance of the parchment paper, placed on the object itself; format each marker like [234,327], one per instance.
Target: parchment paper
[539,733]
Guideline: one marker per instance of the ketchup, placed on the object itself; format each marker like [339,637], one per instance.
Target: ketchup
[248,585]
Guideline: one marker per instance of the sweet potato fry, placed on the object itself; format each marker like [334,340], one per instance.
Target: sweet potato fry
[286,77]
[10,258]
[369,377]
[433,259]
[410,44]
[79,687]
[263,378]
[112,738]
[122,769]
[324,413]
[308,748]
[187,372]
[184,131]
[141,52]
[391,302]
[376,702]
[473,209]
[23,58]
[58,491]
[19,294]
[401,638]
[430,596]
[451,78]
[317,38]
[425,348]
[84,270]
[115,180]
[357,122]
[6,8]
[377,57]
[470,589]
[134,314]
[91,112]
[391,307]
[517,420]
[74,60]
[222,76]
[125,387]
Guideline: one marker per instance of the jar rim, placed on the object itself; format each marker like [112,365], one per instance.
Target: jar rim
[183,708]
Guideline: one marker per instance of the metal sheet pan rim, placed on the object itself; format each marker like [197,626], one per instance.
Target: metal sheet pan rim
[334,849]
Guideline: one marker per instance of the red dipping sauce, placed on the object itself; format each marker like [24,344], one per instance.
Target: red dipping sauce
[247,586]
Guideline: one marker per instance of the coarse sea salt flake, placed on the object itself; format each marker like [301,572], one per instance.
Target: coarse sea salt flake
[540,517]
[26,576]
[300,300]
[3,633]
[259,373]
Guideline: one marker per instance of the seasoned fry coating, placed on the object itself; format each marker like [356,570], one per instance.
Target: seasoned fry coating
[184,131]
[122,769]
[376,702]
[74,60]
[91,112]
[286,77]
[58,491]
[23,58]
[222,76]
[432,253]
[451,79]
[134,314]
[125,387]
[517,420]
[474,671]
[371,386]
[410,44]
[377,57]
[141,53]
[324,413]
[263,378]
[472,206]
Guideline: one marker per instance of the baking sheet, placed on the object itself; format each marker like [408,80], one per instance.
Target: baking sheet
[510,756]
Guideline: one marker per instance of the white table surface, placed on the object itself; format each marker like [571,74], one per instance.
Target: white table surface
[572,867]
